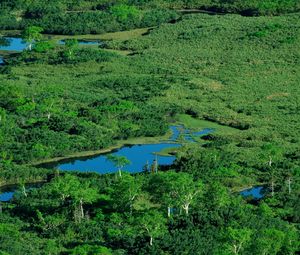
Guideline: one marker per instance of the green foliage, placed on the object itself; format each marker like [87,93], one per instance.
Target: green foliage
[44,46]
[235,71]
[234,227]
[31,35]
[90,250]
[124,12]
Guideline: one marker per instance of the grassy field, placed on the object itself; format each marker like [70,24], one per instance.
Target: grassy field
[198,124]
[117,145]
[123,35]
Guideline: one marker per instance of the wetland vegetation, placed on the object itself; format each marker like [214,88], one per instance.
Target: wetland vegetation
[231,80]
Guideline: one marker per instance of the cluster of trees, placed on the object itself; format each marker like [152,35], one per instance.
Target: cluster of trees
[240,72]
[54,18]
[170,212]
[83,17]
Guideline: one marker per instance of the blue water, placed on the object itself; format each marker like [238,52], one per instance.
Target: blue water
[15,44]
[176,131]
[1,60]
[187,134]
[81,42]
[191,136]
[7,193]
[6,196]
[138,155]
[255,192]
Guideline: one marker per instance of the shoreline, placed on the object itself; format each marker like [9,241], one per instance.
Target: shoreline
[11,184]
[119,144]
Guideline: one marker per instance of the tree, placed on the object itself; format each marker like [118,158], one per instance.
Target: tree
[125,191]
[71,45]
[124,12]
[31,35]
[23,188]
[272,153]
[187,190]
[87,249]
[292,174]
[153,224]
[238,238]
[173,189]
[270,241]
[44,46]
[119,161]
[69,187]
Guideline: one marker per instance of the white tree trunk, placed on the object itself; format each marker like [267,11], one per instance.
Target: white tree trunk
[24,190]
[186,208]
[289,184]
[235,249]
[151,241]
[81,209]
[169,211]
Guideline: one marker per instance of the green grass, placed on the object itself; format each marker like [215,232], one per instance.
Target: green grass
[197,124]
[215,67]
[123,35]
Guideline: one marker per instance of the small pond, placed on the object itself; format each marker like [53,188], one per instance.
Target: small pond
[7,192]
[17,44]
[82,42]
[139,156]
[257,192]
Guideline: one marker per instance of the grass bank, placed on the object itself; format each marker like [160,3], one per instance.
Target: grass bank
[117,145]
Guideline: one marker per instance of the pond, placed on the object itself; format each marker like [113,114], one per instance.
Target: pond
[17,44]
[7,192]
[6,196]
[81,42]
[14,44]
[257,192]
[139,155]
